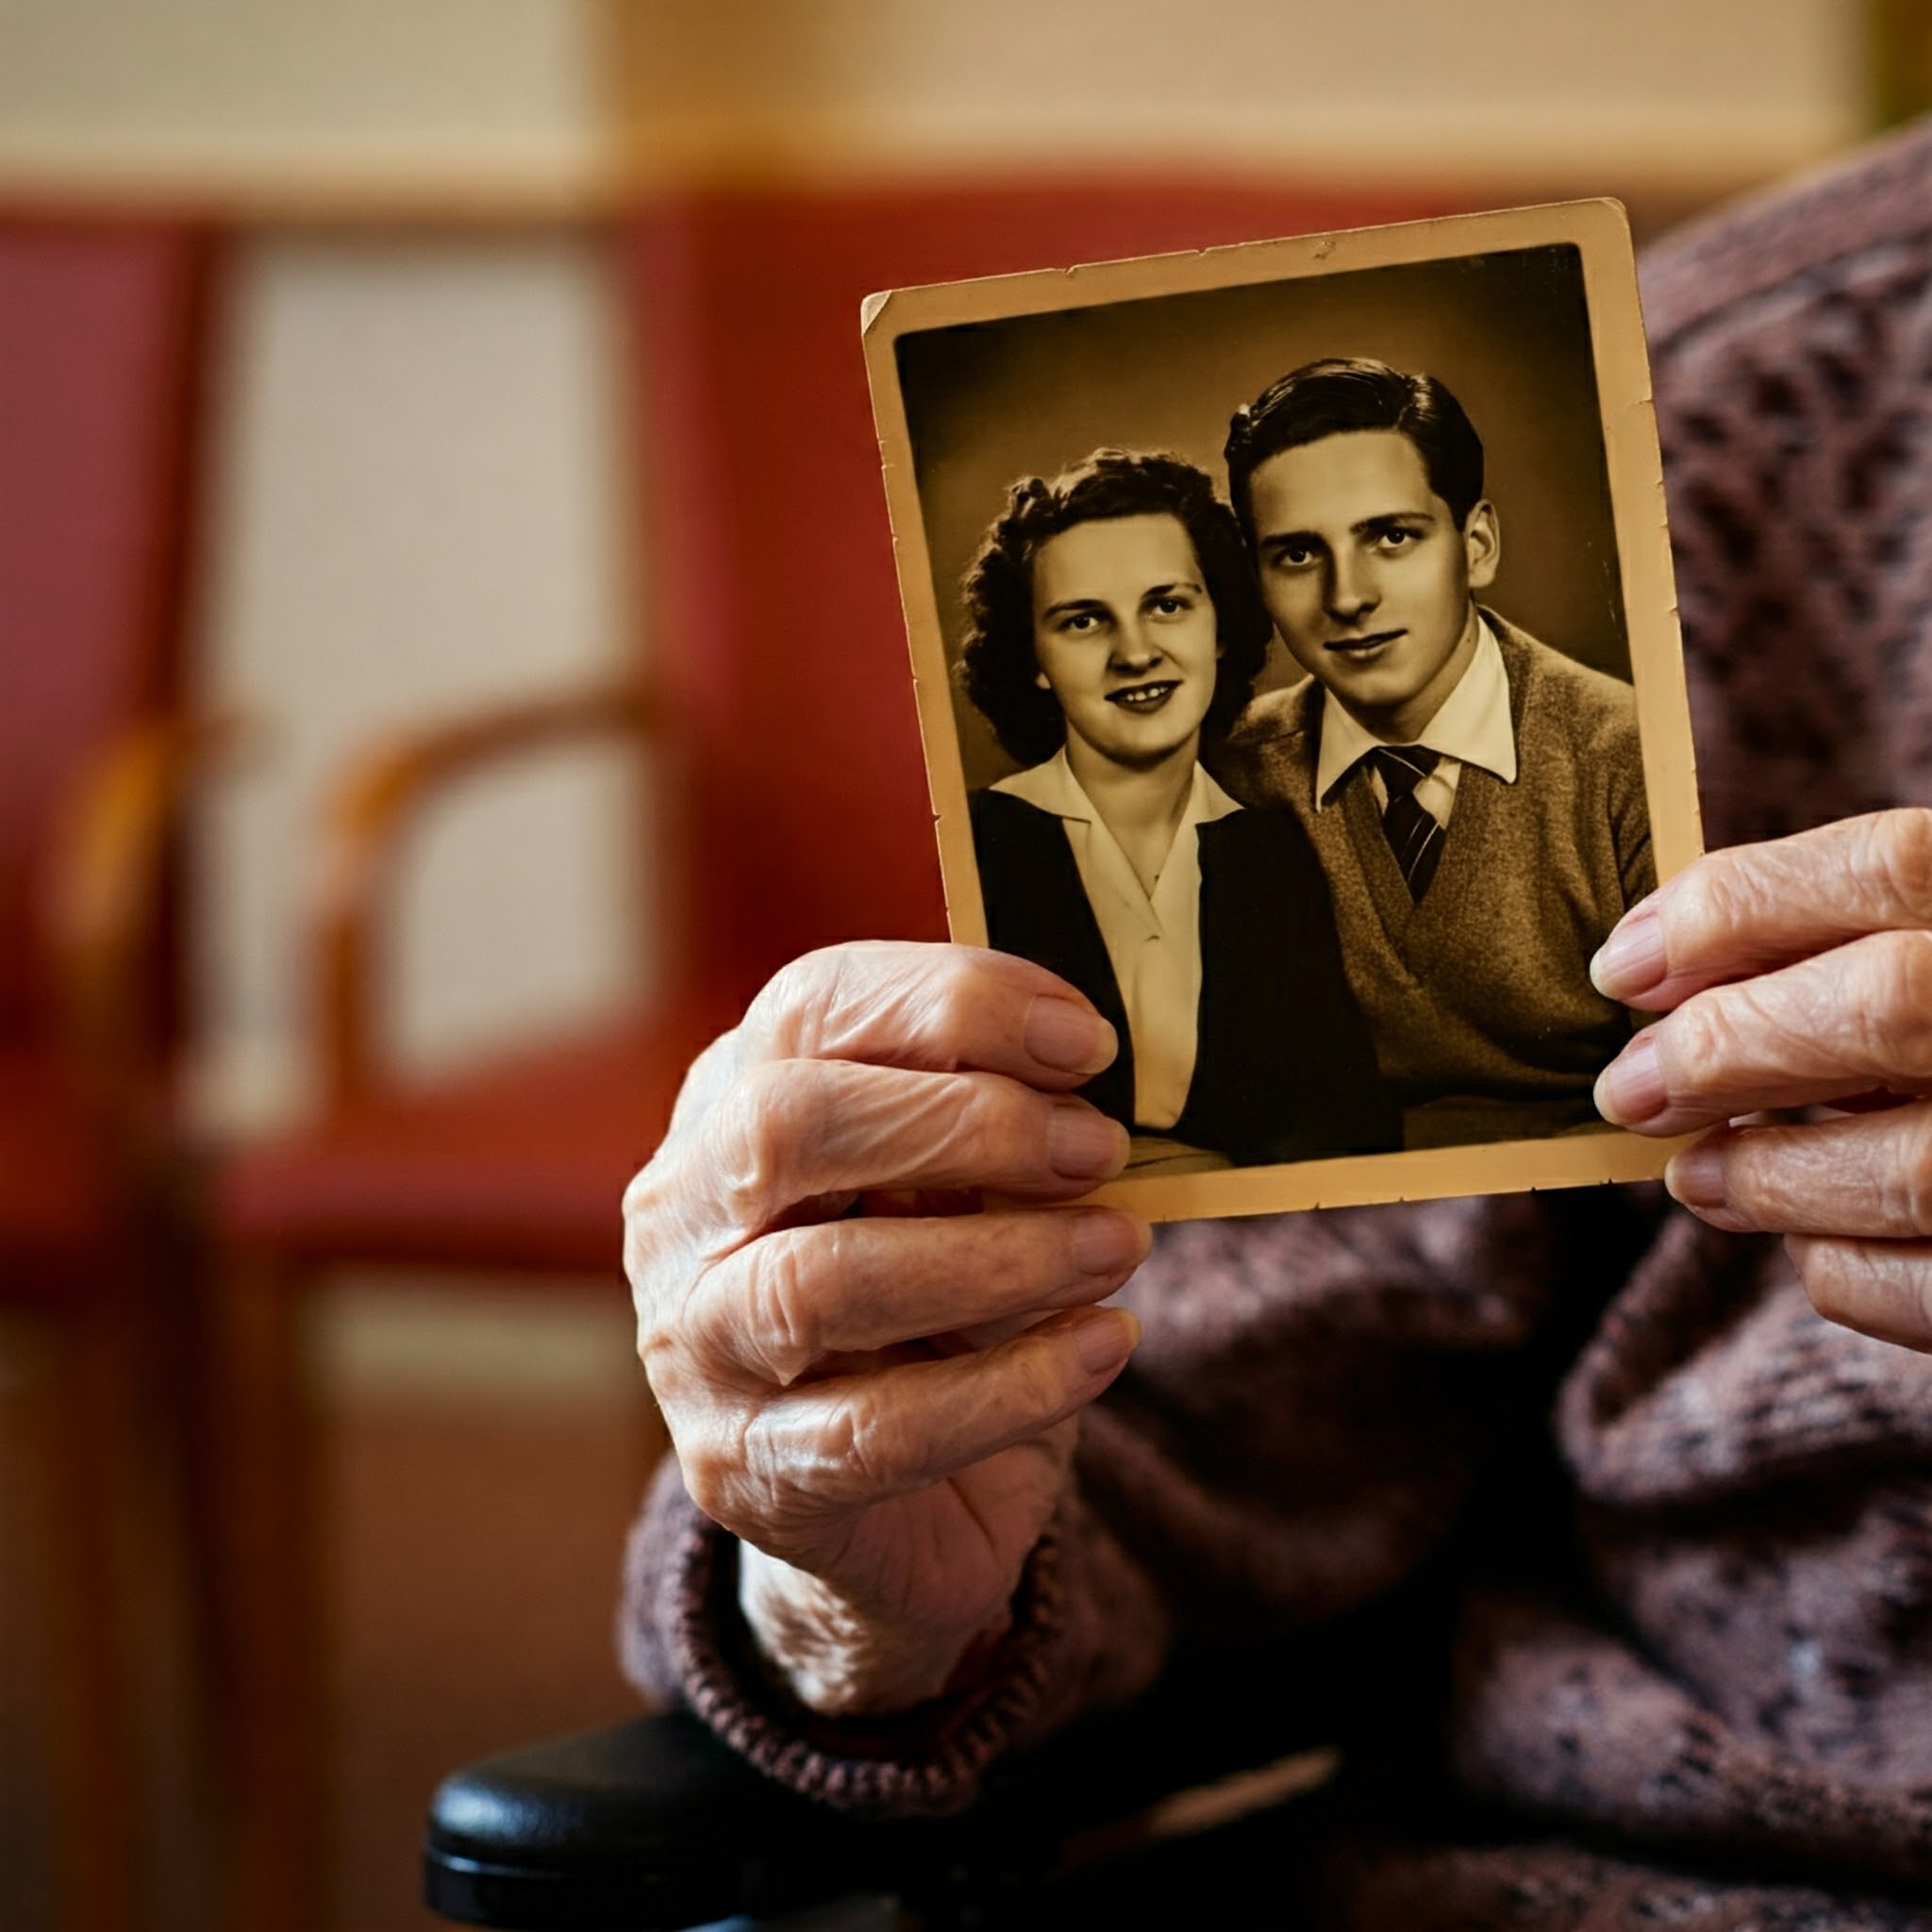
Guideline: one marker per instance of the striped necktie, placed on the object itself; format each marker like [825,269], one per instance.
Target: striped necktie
[1414,833]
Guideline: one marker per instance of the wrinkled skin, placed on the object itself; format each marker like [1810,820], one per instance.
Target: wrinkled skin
[870,1373]
[1796,974]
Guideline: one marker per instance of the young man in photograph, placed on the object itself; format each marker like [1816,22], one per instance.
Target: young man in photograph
[1475,798]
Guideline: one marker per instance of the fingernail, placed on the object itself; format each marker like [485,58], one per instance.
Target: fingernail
[1630,1090]
[1105,1338]
[1071,1038]
[1696,1178]
[1083,1145]
[1105,1244]
[1631,961]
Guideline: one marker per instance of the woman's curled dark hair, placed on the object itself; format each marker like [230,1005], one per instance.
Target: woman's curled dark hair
[998,667]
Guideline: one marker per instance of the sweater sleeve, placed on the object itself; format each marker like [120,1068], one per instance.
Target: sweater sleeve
[1310,1400]
[684,1641]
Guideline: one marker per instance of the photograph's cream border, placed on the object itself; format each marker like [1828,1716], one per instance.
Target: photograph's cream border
[1601,233]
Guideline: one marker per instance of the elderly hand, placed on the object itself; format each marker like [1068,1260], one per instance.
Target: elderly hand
[1796,973]
[868,1382]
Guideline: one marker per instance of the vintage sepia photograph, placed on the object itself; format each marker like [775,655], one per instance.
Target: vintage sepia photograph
[1299,678]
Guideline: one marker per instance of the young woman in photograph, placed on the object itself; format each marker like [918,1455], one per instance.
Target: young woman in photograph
[1114,627]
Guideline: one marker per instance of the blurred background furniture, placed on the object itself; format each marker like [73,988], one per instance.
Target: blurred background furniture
[101,351]
[514,1166]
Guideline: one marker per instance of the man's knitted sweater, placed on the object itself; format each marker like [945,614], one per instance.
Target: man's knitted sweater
[1704,1514]
[1478,996]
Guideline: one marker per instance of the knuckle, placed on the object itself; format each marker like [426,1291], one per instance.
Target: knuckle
[707,1077]
[1909,1182]
[969,1113]
[1038,1253]
[645,1193]
[647,1238]
[1913,951]
[712,1478]
[1034,1385]
[1895,1023]
[683,1397]
[1036,1390]
[992,1127]
[1700,1040]
[1843,1285]
[1721,898]
[953,1001]
[777,1010]
[782,1322]
[640,1246]
[1700,898]
[862,1451]
[687,1373]
[649,1205]
[789,987]
[1820,1267]
[751,1145]
[744,1473]
[771,1482]
[654,1342]
[1900,846]
[1047,1387]
[821,998]
[638,1193]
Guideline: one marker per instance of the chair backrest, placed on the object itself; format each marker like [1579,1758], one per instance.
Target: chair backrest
[776,623]
[99,339]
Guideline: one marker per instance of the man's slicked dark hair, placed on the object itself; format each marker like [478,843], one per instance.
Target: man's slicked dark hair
[1340,394]
[998,667]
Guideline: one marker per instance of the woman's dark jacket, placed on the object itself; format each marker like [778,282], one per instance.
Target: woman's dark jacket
[1284,1068]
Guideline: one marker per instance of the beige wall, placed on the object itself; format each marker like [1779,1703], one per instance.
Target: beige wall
[298,93]
[521,97]
[1559,89]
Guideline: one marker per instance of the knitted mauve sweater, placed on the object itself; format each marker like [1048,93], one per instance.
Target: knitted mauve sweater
[1692,1522]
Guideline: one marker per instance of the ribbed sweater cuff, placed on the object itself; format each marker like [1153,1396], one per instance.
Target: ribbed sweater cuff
[684,1641]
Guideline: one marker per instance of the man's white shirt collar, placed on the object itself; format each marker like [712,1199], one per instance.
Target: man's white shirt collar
[1471,724]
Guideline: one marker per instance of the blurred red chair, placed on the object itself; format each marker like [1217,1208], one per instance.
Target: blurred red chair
[793,806]
[99,358]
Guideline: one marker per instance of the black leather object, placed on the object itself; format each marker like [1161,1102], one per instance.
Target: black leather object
[656,1823]
[651,1822]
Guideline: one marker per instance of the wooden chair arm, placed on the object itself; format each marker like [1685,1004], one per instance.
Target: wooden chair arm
[365,822]
[103,901]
